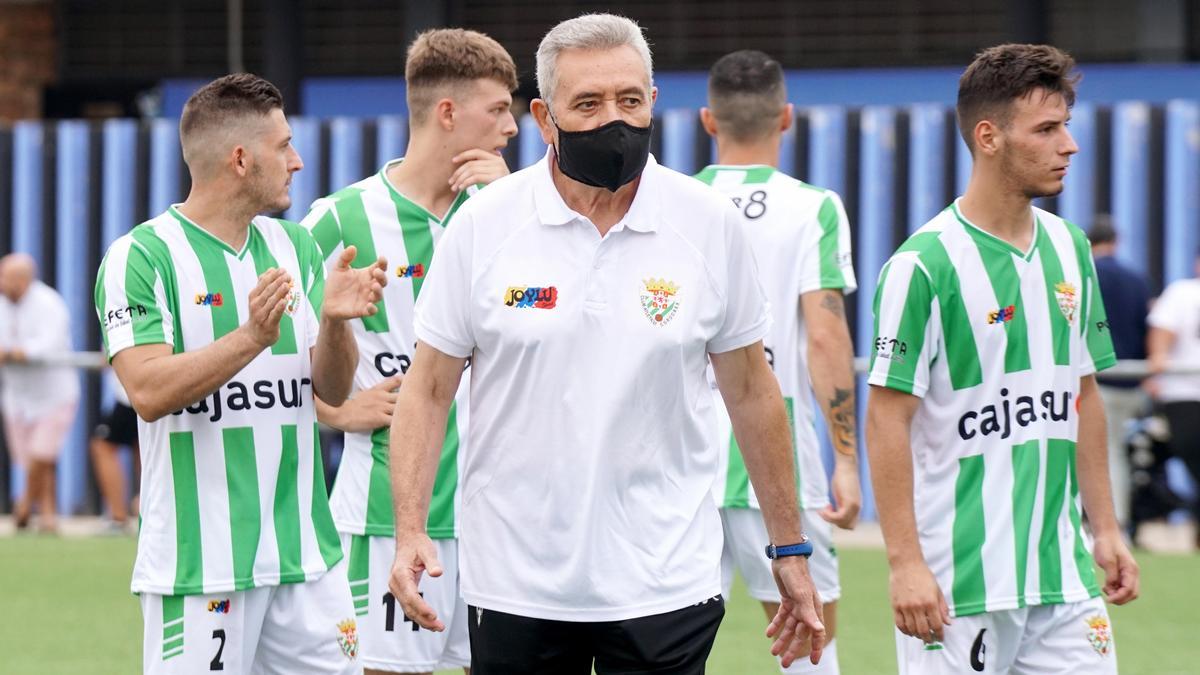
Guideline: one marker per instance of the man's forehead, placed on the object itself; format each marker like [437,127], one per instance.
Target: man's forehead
[1042,101]
[602,70]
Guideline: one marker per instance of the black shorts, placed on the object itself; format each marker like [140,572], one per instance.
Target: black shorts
[118,426]
[676,642]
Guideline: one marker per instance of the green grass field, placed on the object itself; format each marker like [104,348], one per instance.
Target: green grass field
[67,609]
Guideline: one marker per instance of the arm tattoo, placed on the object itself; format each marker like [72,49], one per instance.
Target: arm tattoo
[841,421]
[832,301]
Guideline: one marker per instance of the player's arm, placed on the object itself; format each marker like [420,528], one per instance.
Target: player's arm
[918,605]
[365,411]
[1120,569]
[160,382]
[760,425]
[348,294]
[1159,342]
[417,434]
[831,369]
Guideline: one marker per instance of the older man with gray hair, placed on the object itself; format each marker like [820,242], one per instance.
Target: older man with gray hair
[39,402]
[590,292]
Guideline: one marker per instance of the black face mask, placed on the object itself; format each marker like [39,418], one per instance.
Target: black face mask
[609,156]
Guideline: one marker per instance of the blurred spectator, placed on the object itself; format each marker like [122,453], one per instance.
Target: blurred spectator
[119,428]
[1126,297]
[39,402]
[1174,343]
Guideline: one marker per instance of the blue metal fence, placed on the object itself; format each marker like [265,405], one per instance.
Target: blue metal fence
[75,186]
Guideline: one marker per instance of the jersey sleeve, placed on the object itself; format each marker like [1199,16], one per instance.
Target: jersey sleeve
[131,301]
[825,258]
[747,318]
[907,327]
[442,316]
[1098,353]
[326,229]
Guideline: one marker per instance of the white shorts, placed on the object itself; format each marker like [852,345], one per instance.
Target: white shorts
[745,549]
[294,628]
[390,641]
[1045,640]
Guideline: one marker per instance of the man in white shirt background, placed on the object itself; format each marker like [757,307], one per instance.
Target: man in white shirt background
[1174,343]
[39,403]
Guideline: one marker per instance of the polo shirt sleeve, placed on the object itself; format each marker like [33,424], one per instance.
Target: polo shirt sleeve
[131,300]
[443,312]
[907,330]
[747,318]
[825,260]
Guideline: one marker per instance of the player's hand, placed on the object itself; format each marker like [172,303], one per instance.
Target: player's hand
[1121,574]
[369,409]
[352,293]
[415,555]
[268,301]
[847,493]
[799,622]
[475,167]
[917,602]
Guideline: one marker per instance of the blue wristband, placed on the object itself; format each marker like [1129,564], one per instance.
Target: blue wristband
[804,548]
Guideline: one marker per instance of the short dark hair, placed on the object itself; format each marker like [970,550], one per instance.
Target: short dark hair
[746,91]
[1006,73]
[1102,230]
[452,56]
[235,95]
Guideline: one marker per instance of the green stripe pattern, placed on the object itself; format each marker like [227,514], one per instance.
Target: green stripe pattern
[1025,463]
[172,623]
[287,507]
[359,572]
[189,558]
[327,536]
[830,221]
[263,261]
[969,591]
[737,479]
[241,477]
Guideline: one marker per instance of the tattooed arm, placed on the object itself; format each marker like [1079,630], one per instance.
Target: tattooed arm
[831,368]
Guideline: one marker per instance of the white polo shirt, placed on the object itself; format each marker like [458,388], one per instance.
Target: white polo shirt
[585,486]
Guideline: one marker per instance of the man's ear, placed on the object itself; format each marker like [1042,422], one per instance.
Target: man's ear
[988,137]
[240,160]
[541,114]
[788,116]
[708,121]
[443,113]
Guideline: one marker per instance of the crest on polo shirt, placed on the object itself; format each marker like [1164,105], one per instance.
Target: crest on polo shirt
[1068,299]
[348,637]
[293,300]
[660,300]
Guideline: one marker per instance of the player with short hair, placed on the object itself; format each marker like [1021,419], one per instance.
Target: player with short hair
[801,240]
[460,85]
[985,426]
[222,325]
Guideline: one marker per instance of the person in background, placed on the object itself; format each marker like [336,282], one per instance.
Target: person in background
[39,402]
[1126,296]
[1174,343]
[117,429]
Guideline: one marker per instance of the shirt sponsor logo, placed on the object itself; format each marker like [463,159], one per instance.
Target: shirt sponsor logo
[660,300]
[1002,315]
[218,606]
[1068,299]
[1099,634]
[209,299]
[891,349]
[119,317]
[998,418]
[411,271]
[537,297]
[263,394]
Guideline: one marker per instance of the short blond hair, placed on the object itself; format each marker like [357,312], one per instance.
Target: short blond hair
[445,58]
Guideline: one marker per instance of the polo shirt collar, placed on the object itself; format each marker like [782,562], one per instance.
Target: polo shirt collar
[643,214]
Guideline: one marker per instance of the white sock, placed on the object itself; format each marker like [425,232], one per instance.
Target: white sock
[827,666]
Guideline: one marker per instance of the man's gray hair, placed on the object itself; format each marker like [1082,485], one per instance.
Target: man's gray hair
[590,31]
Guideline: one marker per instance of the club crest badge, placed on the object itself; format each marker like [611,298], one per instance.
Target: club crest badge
[294,297]
[1099,634]
[348,638]
[1068,299]
[660,301]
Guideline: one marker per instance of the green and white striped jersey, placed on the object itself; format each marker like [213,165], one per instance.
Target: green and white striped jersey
[995,340]
[373,216]
[801,240]
[233,491]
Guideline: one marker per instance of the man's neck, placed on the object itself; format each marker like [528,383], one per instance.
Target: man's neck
[764,152]
[214,211]
[605,209]
[424,176]
[997,209]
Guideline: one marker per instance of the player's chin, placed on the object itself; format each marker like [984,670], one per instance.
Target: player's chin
[282,203]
